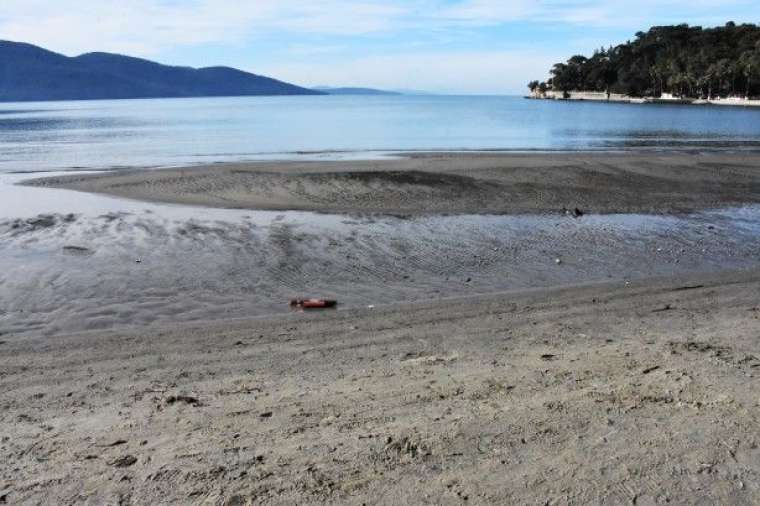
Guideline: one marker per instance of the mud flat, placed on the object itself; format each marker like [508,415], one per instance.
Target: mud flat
[485,183]
[637,393]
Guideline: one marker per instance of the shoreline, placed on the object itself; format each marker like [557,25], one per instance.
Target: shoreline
[470,399]
[158,246]
[581,96]
[137,365]
[420,183]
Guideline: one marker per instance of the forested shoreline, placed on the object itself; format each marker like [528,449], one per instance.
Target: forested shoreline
[681,61]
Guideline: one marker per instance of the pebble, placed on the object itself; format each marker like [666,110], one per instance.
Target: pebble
[124,461]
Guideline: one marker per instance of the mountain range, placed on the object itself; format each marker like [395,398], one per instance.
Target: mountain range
[31,73]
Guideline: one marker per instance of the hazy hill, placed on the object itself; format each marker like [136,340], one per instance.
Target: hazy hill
[354,91]
[29,73]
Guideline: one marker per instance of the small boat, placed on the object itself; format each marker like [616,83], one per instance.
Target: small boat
[313,303]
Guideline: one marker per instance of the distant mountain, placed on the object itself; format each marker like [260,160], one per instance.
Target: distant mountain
[354,91]
[404,91]
[30,73]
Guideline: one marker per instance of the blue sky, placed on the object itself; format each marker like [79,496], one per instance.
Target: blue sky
[446,46]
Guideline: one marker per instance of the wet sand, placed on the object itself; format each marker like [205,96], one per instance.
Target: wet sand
[641,393]
[465,183]
[67,273]
[133,372]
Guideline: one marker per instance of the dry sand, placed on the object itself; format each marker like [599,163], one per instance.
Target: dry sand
[451,183]
[617,394]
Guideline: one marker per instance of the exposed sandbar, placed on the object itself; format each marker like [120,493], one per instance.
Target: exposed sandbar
[485,183]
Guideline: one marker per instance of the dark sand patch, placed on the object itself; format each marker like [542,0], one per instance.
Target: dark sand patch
[451,183]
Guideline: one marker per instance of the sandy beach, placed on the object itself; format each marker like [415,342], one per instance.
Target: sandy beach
[490,346]
[421,234]
[639,393]
[296,253]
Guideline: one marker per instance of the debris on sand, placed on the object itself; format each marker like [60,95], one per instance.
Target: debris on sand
[405,448]
[548,357]
[667,307]
[650,369]
[118,442]
[77,249]
[186,399]
[313,303]
[266,414]
[575,212]
[558,261]
[124,461]
[685,288]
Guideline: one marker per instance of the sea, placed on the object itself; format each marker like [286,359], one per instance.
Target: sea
[87,135]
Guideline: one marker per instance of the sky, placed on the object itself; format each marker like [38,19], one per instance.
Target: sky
[441,46]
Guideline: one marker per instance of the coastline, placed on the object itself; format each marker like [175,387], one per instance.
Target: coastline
[142,360]
[584,96]
[147,247]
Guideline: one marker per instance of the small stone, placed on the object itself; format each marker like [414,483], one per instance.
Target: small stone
[124,461]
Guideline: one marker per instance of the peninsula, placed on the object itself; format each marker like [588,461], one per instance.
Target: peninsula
[670,64]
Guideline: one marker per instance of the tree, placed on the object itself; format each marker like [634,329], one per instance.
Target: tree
[749,62]
[687,60]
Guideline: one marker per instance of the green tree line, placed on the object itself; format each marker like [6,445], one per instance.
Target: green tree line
[687,61]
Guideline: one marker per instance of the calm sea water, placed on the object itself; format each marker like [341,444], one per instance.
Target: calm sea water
[105,134]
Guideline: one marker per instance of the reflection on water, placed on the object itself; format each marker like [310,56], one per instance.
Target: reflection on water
[97,134]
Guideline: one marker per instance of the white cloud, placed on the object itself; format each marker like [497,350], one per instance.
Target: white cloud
[489,11]
[147,27]
[350,28]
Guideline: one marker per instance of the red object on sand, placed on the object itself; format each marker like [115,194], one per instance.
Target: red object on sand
[313,303]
